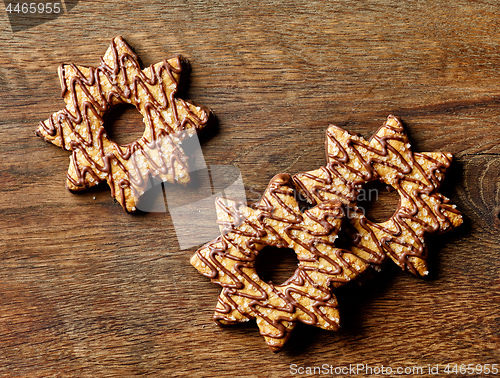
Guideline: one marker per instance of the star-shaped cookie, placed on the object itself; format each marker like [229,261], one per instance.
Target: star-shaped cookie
[90,93]
[388,157]
[276,220]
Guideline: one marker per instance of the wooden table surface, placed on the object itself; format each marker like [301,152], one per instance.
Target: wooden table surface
[87,290]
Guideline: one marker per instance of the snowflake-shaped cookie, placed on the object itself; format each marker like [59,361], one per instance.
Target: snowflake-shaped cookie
[90,93]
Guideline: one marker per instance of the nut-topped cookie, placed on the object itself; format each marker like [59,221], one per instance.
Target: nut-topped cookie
[387,156]
[276,220]
[91,92]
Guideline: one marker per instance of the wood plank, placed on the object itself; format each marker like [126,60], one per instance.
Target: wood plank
[88,290]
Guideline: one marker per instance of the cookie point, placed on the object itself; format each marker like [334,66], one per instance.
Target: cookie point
[119,39]
[282,179]
[393,120]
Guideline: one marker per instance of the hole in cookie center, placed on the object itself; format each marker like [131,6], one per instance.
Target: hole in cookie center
[124,124]
[276,264]
[378,201]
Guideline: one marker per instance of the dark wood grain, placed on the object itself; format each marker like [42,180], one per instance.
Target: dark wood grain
[87,290]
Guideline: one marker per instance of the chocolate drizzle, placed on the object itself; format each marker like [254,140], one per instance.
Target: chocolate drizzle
[277,221]
[90,93]
[387,157]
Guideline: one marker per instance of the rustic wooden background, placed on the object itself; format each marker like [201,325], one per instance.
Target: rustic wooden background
[87,290]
